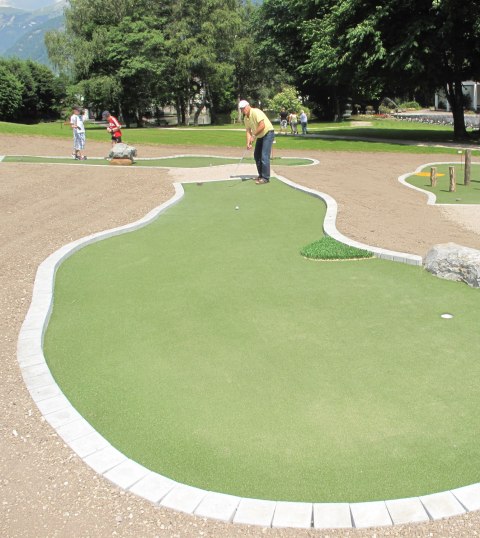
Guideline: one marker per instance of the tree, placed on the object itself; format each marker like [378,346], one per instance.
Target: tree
[10,94]
[351,47]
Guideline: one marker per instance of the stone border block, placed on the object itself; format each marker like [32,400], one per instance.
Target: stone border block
[440,505]
[469,496]
[293,514]
[409,510]
[255,512]
[153,487]
[218,506]
[183,498]
[332,516]
[370,514]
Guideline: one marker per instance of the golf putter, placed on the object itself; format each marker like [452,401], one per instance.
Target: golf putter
[239,163]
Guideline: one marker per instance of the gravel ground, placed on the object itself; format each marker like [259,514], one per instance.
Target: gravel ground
[45,489]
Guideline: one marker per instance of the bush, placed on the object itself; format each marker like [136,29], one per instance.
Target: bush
[328,248]
[410,105]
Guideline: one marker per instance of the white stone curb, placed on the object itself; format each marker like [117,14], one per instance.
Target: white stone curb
[330,228]
[127,474]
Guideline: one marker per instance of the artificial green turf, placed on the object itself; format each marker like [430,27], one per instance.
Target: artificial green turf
[463,195]
[204,347]
[328,248]
[170,162]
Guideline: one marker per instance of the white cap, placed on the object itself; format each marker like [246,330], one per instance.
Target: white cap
[243,104]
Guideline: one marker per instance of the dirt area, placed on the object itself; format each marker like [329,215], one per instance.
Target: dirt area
[45,489]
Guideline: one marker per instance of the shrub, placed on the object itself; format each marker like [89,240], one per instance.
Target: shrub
[328,248]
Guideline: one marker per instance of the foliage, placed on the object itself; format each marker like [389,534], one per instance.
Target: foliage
[288,99]
[361,49]
[328,248]
[10,94]
[31,92]
[136,56]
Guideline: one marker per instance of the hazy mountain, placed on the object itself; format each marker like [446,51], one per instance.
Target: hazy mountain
[27,5]
[22,32]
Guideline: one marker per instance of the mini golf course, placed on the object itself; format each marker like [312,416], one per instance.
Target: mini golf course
[206,348]
[463,195]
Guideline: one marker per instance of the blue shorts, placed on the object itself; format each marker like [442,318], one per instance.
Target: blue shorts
[78,140]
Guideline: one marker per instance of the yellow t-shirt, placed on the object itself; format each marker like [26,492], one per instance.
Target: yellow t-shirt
[256,116]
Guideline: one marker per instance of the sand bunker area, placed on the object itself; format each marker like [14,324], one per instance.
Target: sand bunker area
[46,490]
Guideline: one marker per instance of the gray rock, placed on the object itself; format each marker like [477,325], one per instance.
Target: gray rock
[122,151]
[454,262]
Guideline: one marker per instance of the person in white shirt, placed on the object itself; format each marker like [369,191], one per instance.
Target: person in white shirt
[78,128]
[303,122]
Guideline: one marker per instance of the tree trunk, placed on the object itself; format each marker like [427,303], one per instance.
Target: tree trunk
[456,100]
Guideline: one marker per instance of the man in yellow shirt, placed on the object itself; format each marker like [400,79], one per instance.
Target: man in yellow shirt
[260,130]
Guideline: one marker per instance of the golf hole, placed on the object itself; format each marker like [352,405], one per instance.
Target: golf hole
[446,316]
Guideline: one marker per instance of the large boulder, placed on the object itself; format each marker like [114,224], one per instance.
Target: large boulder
[454,262]
[122,151]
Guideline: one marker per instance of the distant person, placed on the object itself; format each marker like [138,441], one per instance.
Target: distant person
[293,123]
[283,121]
[303,122]
[78,128]
[259,129]
[114,127]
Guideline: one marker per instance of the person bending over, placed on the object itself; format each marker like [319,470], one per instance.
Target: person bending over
[259,130]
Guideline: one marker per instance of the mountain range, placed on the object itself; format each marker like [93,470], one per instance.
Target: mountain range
[22,32]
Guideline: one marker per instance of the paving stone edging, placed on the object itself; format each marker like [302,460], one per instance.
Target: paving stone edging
[127,474]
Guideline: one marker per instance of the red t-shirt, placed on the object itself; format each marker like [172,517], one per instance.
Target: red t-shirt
[113,123]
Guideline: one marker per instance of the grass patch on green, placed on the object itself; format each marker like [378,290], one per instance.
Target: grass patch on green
[463,195]
[168,162]
[234,136]
[204,347]
[328,248]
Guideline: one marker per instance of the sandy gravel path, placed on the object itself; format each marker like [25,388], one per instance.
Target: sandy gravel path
[45,490]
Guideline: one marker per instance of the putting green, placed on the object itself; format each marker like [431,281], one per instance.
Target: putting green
[463,194]
[183,161]
[205,347]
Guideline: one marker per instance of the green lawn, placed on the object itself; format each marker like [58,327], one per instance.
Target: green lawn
[205,347]
[463,194]
[170,162]
[233,136]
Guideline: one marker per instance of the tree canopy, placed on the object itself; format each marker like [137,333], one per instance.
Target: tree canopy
[368,48]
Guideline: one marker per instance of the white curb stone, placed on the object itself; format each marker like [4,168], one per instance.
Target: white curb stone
[370,514]
[88,444]
[255,512]
[293,514]
[407,511]
[75,430]
[440,505]
[105,459]
[153,487]
[50,405]
[183,498]
[332,516]
[218,506]
[469,496]
[126,474]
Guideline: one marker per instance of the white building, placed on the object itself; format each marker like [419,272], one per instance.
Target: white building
[471,90]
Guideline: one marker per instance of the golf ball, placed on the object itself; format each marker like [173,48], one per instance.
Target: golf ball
[237,207]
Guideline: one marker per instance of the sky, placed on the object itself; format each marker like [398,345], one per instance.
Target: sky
[28,5]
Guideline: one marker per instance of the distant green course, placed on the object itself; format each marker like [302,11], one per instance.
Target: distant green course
[205,347]
[184,161]
[374,135]
[463,195]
